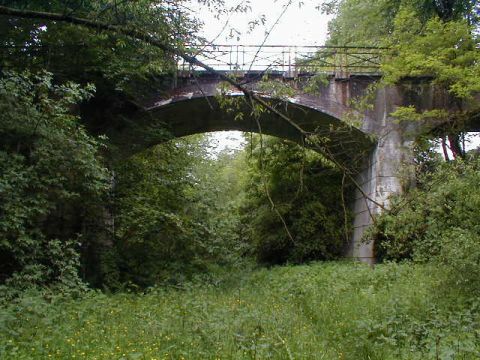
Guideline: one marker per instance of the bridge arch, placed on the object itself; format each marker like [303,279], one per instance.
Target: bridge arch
[187,113]
[198,110]
[192,106]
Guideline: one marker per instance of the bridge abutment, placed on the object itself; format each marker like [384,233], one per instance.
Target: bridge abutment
[386,173]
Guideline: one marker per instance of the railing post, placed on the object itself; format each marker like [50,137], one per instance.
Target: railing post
[237,67]
[341,64]
[243,57]
[289,61]
[295,72]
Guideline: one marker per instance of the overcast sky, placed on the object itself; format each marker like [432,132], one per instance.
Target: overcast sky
[303,25]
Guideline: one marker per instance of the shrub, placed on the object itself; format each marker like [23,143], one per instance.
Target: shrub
[307,191]
[51,181]
[437,222]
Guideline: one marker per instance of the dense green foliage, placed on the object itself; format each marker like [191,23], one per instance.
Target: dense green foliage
[437,221]
[52,182]
[371,23]
[425,38]
[431,39]
[306,191]
[445,50]
[327,311]
[109,60]
[63,213]
[174,216]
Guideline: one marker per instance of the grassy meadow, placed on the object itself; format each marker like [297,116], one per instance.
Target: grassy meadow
[316,311]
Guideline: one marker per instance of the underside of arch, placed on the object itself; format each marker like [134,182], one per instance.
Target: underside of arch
[132,129]
[188,116]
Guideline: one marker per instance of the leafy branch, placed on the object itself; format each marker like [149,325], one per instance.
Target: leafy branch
[147,38]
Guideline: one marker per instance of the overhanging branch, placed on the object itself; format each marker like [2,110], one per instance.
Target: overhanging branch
[152,40]
[147,38]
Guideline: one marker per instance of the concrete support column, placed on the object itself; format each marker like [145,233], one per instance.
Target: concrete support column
[384,173]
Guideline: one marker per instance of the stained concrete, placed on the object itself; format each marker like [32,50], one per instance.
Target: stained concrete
[376,148]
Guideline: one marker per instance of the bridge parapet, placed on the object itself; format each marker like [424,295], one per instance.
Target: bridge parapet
[291,61]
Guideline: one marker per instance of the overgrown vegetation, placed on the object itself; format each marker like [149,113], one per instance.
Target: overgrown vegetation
[330,311]
[436,40]
[158,216]
[169,233]
[52,185]
[430,39]
[437,222]
[287,183]
[176,214]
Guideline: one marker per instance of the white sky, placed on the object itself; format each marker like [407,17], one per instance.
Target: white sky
[303,25]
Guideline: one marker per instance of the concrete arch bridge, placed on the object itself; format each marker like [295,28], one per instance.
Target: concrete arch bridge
[375,150]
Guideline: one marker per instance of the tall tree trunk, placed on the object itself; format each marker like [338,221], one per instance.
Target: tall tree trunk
[445,149]
[455,146]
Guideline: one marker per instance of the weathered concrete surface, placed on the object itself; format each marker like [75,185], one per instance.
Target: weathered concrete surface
[385,173]
[193,107]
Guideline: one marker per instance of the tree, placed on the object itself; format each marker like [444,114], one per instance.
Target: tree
[175,214]
[360,22]
[429,38]
[306,192]
[444,48]
[77,54]
[52,180]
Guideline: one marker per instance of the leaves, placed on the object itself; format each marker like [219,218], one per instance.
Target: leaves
[306,190]
[446,51]
[437,223]
[49,171]
[176,212]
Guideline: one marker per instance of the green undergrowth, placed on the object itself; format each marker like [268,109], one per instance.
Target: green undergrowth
[317,311]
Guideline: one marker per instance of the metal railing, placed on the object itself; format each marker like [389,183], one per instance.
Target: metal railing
[288,60]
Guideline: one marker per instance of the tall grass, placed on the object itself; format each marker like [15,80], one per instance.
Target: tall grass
[317,311]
